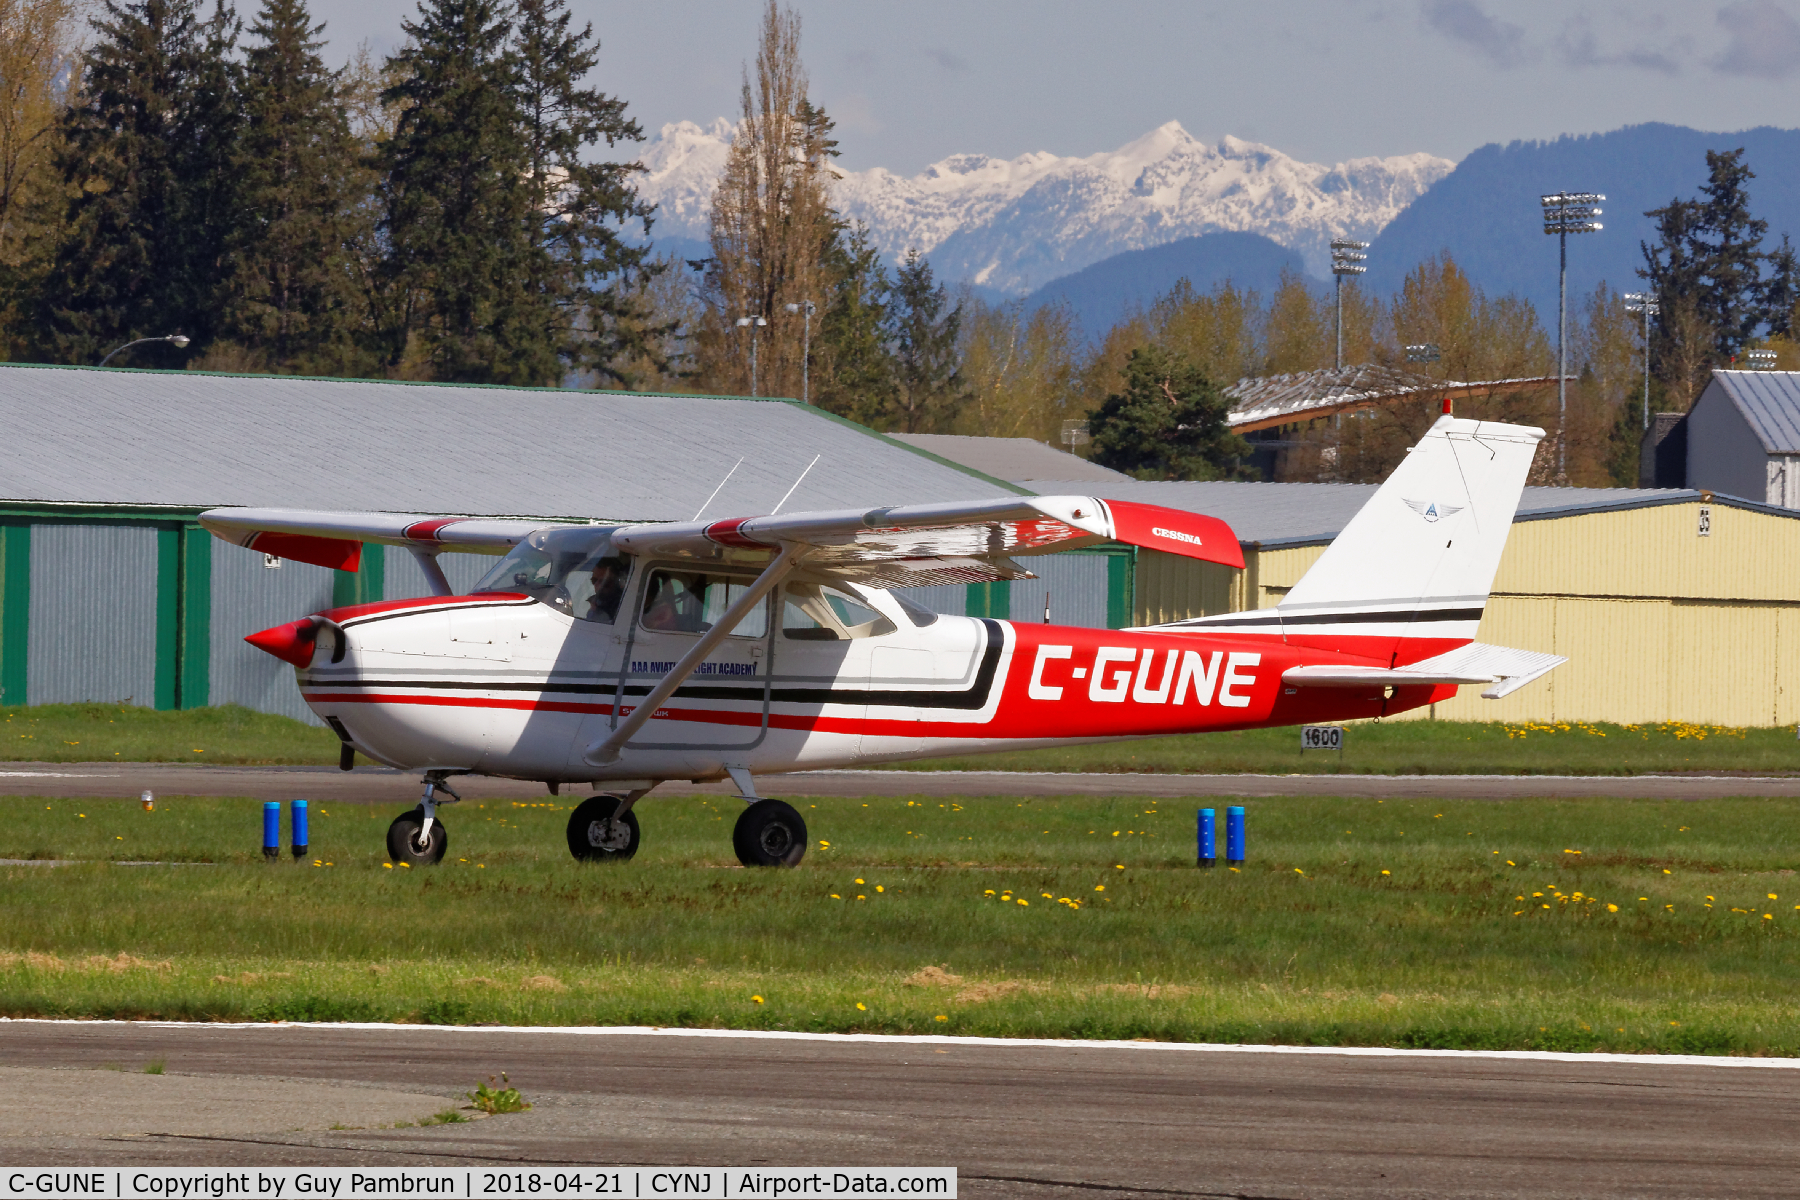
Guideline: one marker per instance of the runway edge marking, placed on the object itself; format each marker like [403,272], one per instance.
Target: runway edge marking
[933,1039]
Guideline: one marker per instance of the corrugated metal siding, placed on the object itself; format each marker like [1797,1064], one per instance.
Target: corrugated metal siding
[1173,588]
[1075,583]
[246,597]
[404,580]
[1721,669]
[93,615]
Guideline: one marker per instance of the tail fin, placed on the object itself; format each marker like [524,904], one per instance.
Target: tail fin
[1410,574]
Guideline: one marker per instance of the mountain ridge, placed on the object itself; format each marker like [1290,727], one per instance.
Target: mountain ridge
[1010,226]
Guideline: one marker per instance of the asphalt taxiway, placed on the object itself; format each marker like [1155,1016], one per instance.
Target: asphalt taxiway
[1016,1120]
[381,785]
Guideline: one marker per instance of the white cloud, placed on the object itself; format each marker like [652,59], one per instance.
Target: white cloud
[1465,21]
[1765,40]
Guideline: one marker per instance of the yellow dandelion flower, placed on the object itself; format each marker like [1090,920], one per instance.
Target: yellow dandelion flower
[861,1007]
[1100,887]
[1386,872]
[389,866]
[1024,903]
[1612,908]
[940,1017]
[879,888]
[757,999]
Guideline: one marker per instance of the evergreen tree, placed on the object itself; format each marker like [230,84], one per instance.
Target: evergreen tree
[294,302]
[1781,291]
[923,327]
[457,220]
[853,374]
[581,274]
[1168,422]
[1730,245]
[144,241]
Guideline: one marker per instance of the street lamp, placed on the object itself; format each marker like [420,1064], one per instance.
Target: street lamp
[806,307]
[177,340]
[1346,259]
[1647,304]
[1566,213]
[754,323]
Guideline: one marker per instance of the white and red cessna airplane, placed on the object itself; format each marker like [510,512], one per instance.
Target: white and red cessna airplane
[624,655]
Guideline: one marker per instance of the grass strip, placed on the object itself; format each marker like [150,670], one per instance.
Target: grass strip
[67,733]
[1634,926]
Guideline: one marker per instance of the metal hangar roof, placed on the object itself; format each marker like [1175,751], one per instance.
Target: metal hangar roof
[187,439]
[1770,402]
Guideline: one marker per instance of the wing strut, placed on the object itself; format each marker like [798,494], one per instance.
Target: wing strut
[607,749]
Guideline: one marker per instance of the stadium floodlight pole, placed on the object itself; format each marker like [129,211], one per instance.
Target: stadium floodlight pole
[1761,360]
[1646,303]
[177,340]
[1566,213]
[754,324]
[1346,259]
[808,308]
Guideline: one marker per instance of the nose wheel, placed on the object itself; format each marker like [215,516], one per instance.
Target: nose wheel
[408,840]
[600,832]
[769,833]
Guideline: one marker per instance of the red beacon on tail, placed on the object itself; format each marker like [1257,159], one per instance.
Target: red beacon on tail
[621,656]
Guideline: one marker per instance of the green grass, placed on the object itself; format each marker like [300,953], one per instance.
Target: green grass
[1356,921]
[230,734]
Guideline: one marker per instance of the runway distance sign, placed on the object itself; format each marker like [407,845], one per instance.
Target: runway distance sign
[1321,737]
[547,1183]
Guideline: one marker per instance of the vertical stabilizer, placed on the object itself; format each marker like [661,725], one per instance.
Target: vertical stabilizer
[1410,574]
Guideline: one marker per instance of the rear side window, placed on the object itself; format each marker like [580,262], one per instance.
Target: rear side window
[812,613]
[695,601]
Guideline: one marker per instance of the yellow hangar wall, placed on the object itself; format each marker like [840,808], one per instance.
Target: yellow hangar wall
[1658,622]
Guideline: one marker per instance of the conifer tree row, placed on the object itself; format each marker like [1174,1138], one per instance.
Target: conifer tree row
[469,234]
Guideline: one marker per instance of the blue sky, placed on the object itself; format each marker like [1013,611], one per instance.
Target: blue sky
[912,82]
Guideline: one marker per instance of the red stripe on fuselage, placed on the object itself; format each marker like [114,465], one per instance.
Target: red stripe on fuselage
[354,611]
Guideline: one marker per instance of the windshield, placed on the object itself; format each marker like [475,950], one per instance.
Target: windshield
[574,571]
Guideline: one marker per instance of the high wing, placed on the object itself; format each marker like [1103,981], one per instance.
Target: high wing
[918,544]
[905,546]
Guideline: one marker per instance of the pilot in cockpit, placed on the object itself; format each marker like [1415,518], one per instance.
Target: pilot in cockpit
[609,589]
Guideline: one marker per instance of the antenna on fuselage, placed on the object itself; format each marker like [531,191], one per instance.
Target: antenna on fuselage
[803,474]
[717,490]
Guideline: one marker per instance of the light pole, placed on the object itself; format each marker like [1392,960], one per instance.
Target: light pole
[807,308]
[754,323]
[177,340]
[1645,303]
[1346,259]
[1566,213]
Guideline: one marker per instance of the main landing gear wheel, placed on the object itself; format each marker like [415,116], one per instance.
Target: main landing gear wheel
[769,833]
[596,835]
[406,846]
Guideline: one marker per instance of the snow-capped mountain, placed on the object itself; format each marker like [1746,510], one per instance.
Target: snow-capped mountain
[1015,224]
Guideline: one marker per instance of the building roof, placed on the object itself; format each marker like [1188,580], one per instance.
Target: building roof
[1014,459]
[1269,514]
[188,439]
[1770,402]
[1263,402]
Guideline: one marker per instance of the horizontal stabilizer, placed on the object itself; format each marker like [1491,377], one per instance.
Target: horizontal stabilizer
[1506,669]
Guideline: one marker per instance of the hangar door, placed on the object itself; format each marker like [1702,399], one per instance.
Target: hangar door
[93,615]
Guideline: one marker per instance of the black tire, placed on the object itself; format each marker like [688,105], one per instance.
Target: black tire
[593,837]
[770,833]
[404,846]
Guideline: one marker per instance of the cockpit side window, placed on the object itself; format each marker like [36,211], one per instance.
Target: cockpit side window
[574,571]
[695,601]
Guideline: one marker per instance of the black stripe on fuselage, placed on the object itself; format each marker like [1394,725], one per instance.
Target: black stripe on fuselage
[353,622]
[1355,618]
[973,697]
